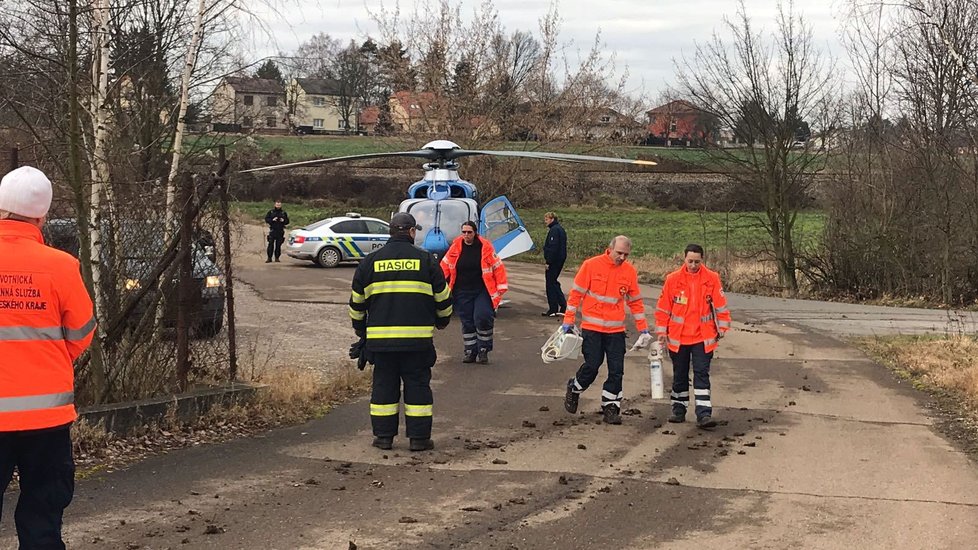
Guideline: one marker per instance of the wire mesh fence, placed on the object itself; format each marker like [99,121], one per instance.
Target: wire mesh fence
[161,282]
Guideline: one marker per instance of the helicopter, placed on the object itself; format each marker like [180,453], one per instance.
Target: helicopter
[442,201]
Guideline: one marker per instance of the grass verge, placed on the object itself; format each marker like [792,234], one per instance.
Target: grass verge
[290,396]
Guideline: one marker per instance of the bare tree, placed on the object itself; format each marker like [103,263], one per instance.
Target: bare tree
[762,88]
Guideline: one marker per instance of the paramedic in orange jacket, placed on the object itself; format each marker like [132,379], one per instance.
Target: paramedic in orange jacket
[477,278]
[686,323]
[602,287]
[46,322]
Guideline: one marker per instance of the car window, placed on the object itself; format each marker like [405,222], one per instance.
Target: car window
[349,227]
[318,224]
[375,227]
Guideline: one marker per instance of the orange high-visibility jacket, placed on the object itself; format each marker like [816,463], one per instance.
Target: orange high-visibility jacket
[601,290]
[679,304]
[46,322]
[493,270]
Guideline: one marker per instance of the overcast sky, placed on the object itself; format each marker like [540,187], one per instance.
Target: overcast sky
[645,35]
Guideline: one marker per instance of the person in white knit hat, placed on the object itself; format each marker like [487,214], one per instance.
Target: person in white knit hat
[46,322]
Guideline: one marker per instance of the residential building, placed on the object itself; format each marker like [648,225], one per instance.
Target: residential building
[316,104]
[414,112]
[680,123]
[243,104]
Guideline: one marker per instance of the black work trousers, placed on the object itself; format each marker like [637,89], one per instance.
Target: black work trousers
[556,301]
[474,309]
[275,240]
[413,368]
[596,347]
[47,483]
[700,359]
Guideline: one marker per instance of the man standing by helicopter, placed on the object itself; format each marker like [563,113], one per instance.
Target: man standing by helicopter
[477,278]
[555,254]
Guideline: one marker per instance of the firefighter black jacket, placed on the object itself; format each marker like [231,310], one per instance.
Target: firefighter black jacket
[399,297]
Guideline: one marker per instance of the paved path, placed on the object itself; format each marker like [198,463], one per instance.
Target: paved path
[822,449]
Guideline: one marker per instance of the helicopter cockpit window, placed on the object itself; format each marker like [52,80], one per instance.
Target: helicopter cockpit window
[500,220]
[451,214]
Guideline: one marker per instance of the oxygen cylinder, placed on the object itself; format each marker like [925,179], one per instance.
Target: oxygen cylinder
[655,371]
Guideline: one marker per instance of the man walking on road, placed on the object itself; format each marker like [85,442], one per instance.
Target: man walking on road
[691,317]
[277,219]
[46,322]
[602,287]
[555,254]
[399,297]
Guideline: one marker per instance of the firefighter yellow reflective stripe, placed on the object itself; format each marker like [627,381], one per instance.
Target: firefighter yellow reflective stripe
[417,410]
[357,298]
[384,287]
[443,295]
[400,332]
[383,410]
[447,312]
[357,315]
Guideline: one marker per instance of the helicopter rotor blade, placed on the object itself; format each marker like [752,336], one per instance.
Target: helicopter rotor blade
[423,154]
[565,157]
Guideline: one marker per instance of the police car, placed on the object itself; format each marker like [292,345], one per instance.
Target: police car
[333,240]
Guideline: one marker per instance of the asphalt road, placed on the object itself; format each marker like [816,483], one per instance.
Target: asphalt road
[820,449]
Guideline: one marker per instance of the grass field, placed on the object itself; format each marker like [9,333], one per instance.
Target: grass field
[658,233]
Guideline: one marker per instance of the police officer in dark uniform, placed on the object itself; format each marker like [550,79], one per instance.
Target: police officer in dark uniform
[277,219]
[399,297]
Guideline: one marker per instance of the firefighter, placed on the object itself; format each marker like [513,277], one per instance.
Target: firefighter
[399,297]
[477,278]
[602,287]
[277,219]
[46,322]
[690,318]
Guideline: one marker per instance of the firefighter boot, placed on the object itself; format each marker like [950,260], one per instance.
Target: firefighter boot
[422,444]
[385,443]
[571,398]
[612,414]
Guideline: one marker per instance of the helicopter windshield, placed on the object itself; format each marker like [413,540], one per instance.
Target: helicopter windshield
[450,215]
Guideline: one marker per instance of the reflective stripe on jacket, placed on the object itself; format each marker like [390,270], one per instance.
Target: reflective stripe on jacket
[398,297]
[600,291]
[493,270]
[677,307]
[46,322]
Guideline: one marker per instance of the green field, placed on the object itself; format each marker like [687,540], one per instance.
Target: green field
[653,232]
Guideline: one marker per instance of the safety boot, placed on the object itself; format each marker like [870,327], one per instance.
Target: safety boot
[385,443]
[612,414]
[422,444]
[468,357]
[571,398]
[677,418]
[706,422]
[483,356]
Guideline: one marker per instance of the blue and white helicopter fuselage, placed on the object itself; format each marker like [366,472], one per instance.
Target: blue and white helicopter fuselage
[442,202]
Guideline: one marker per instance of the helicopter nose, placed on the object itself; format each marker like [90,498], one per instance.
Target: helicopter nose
[435,242]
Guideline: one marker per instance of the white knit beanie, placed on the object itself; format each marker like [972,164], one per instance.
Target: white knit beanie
[26,191]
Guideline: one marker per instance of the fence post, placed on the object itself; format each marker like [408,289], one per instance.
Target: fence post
[184,281]
[228,266]
[14,158]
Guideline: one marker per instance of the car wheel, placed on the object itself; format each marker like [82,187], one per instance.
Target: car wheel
[329,257]
[208,328]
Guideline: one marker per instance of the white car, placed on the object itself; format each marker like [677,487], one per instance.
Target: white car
[333,240]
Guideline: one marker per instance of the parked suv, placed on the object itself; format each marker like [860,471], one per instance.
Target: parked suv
[140,246]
